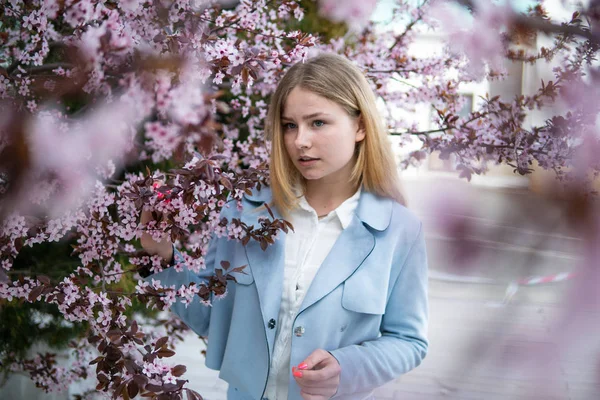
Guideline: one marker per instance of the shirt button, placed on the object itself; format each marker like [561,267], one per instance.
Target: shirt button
[271,323]
[299,331]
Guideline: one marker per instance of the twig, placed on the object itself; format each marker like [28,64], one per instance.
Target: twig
[390,71]
[408,27]
[246,30]
[404,82]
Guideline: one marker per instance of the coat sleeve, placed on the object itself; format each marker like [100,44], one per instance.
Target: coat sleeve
[196,315]
[403,341]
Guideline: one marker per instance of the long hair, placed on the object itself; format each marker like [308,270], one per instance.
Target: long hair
[337,79]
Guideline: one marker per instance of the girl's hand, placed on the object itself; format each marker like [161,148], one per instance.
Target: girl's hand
[164,248]
[318,376]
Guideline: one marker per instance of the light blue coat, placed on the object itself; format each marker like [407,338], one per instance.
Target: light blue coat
[367,304]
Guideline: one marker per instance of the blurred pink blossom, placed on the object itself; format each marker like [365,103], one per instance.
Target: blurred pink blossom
[355,13]
[478,37]
[72,150]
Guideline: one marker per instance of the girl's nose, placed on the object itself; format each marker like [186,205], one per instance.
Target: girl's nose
[302,138]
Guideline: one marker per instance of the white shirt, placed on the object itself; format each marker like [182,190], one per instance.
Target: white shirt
[305,250]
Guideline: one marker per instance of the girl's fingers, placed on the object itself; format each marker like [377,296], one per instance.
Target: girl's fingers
[146,216]
[163,247]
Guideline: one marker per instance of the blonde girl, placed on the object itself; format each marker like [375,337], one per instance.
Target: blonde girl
[338,306]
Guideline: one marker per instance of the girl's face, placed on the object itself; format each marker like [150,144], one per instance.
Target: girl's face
[319,136]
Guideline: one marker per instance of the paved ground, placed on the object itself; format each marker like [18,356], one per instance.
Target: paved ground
[482,350]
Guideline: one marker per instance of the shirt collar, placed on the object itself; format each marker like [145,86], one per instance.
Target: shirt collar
[344,211]
[372,209]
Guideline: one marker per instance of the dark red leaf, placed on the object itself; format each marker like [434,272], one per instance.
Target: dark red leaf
[132,388]
[96,360]
[99,367]
[169,387]
[120,391]
[270,211]
[131,366]
[193,395]
[165,353]
[35,292]
[114,334]
[154,388]
[178,370]
[289,224]
[227,183]
[240,269]
[141,380]
[161,342]
[102,378]
[159,38]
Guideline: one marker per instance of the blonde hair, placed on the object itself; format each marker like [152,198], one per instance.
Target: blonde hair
[337,79]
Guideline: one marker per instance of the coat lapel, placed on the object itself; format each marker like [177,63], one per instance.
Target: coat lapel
[352,247]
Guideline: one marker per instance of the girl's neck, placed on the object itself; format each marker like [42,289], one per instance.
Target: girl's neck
[326,197]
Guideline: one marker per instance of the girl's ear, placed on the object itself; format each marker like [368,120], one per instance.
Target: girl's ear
[360,131]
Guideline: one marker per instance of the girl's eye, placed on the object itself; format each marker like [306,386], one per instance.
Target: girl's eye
[289,125]
[318,123]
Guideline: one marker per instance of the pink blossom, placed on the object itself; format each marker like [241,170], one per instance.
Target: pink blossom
[121,320]
[103,299]
[168,378]
[141,286]
[79,12]
[6,264]
[104,317]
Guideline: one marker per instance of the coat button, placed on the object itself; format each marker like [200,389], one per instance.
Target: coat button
[271,323]
[299,331]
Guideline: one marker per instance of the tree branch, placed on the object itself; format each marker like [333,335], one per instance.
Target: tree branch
[422,132]
[548,27]
[543,25]
[38,68]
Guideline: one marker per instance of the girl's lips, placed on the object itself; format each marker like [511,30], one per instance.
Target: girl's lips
[308,162]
